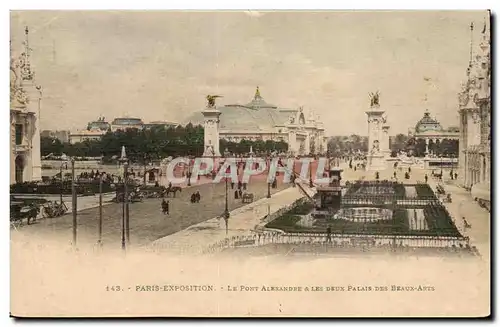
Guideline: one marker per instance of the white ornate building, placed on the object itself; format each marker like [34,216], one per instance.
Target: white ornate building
[475,120]
[430,130]
[25,98]
[259,120]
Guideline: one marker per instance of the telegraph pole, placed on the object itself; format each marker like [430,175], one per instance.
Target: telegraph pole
[100,209]
[145,169]
[226,209]
[62,184]
[269,178]
[127,216]
[73,199]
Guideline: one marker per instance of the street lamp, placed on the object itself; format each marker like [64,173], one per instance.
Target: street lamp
[65,164]
[189,171]
[441,162]
[145,166]
[73,199]
[269,176]
[100,209]
[311,185]
[226,208]
[127,215]
[123,159]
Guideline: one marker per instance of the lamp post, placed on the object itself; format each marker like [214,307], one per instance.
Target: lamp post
[269,181]
[226,207]
[73,199]
[311,185]
[62,182]
[100,209]
[127,215]
[189,172]
[123,159]
[145,166]
[213,159]
[441,164]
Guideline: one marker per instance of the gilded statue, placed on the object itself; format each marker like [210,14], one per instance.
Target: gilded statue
[211,100]
[374,98]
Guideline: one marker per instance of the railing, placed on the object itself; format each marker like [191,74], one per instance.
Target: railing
[339,240]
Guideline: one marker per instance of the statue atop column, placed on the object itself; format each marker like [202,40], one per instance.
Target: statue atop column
[211,100]
[374,98]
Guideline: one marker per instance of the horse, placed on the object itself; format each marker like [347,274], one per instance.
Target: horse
[173,189]
[31,213]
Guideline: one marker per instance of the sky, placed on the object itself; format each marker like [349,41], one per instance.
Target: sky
[160,65]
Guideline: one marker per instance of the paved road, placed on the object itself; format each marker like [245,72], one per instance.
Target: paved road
[147,223]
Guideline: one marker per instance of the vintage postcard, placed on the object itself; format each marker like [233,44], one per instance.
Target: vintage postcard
[250,163]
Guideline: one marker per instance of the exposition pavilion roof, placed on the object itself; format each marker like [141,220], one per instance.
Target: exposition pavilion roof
[99,124]
[257,115]
[127,121]
[427,123]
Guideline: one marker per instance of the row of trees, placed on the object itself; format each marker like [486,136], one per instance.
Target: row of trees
[341,145]
[152,144]
[355,143]
[445,148]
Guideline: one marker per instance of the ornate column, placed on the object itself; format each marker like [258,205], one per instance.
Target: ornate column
[375,115]
[211,128]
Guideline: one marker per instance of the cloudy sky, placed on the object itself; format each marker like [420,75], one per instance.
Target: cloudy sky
[161,65]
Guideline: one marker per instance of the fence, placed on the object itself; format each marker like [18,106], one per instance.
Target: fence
[338,240]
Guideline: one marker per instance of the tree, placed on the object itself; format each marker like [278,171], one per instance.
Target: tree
[400,143]
[147,144]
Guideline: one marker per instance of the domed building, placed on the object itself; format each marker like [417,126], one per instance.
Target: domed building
[427,123]
[260,120]
[430,130]
[123,123]
[99,124]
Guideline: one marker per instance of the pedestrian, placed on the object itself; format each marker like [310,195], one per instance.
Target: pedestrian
[236,194]
[198,197]
[170,185]
[456,175]
[232,185]
[426,178]
[244,186]
[165,207]
[329,234]
[394,174]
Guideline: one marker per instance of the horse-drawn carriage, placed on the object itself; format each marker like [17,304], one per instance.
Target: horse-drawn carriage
[133,191]
[153,191]
[18,212]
